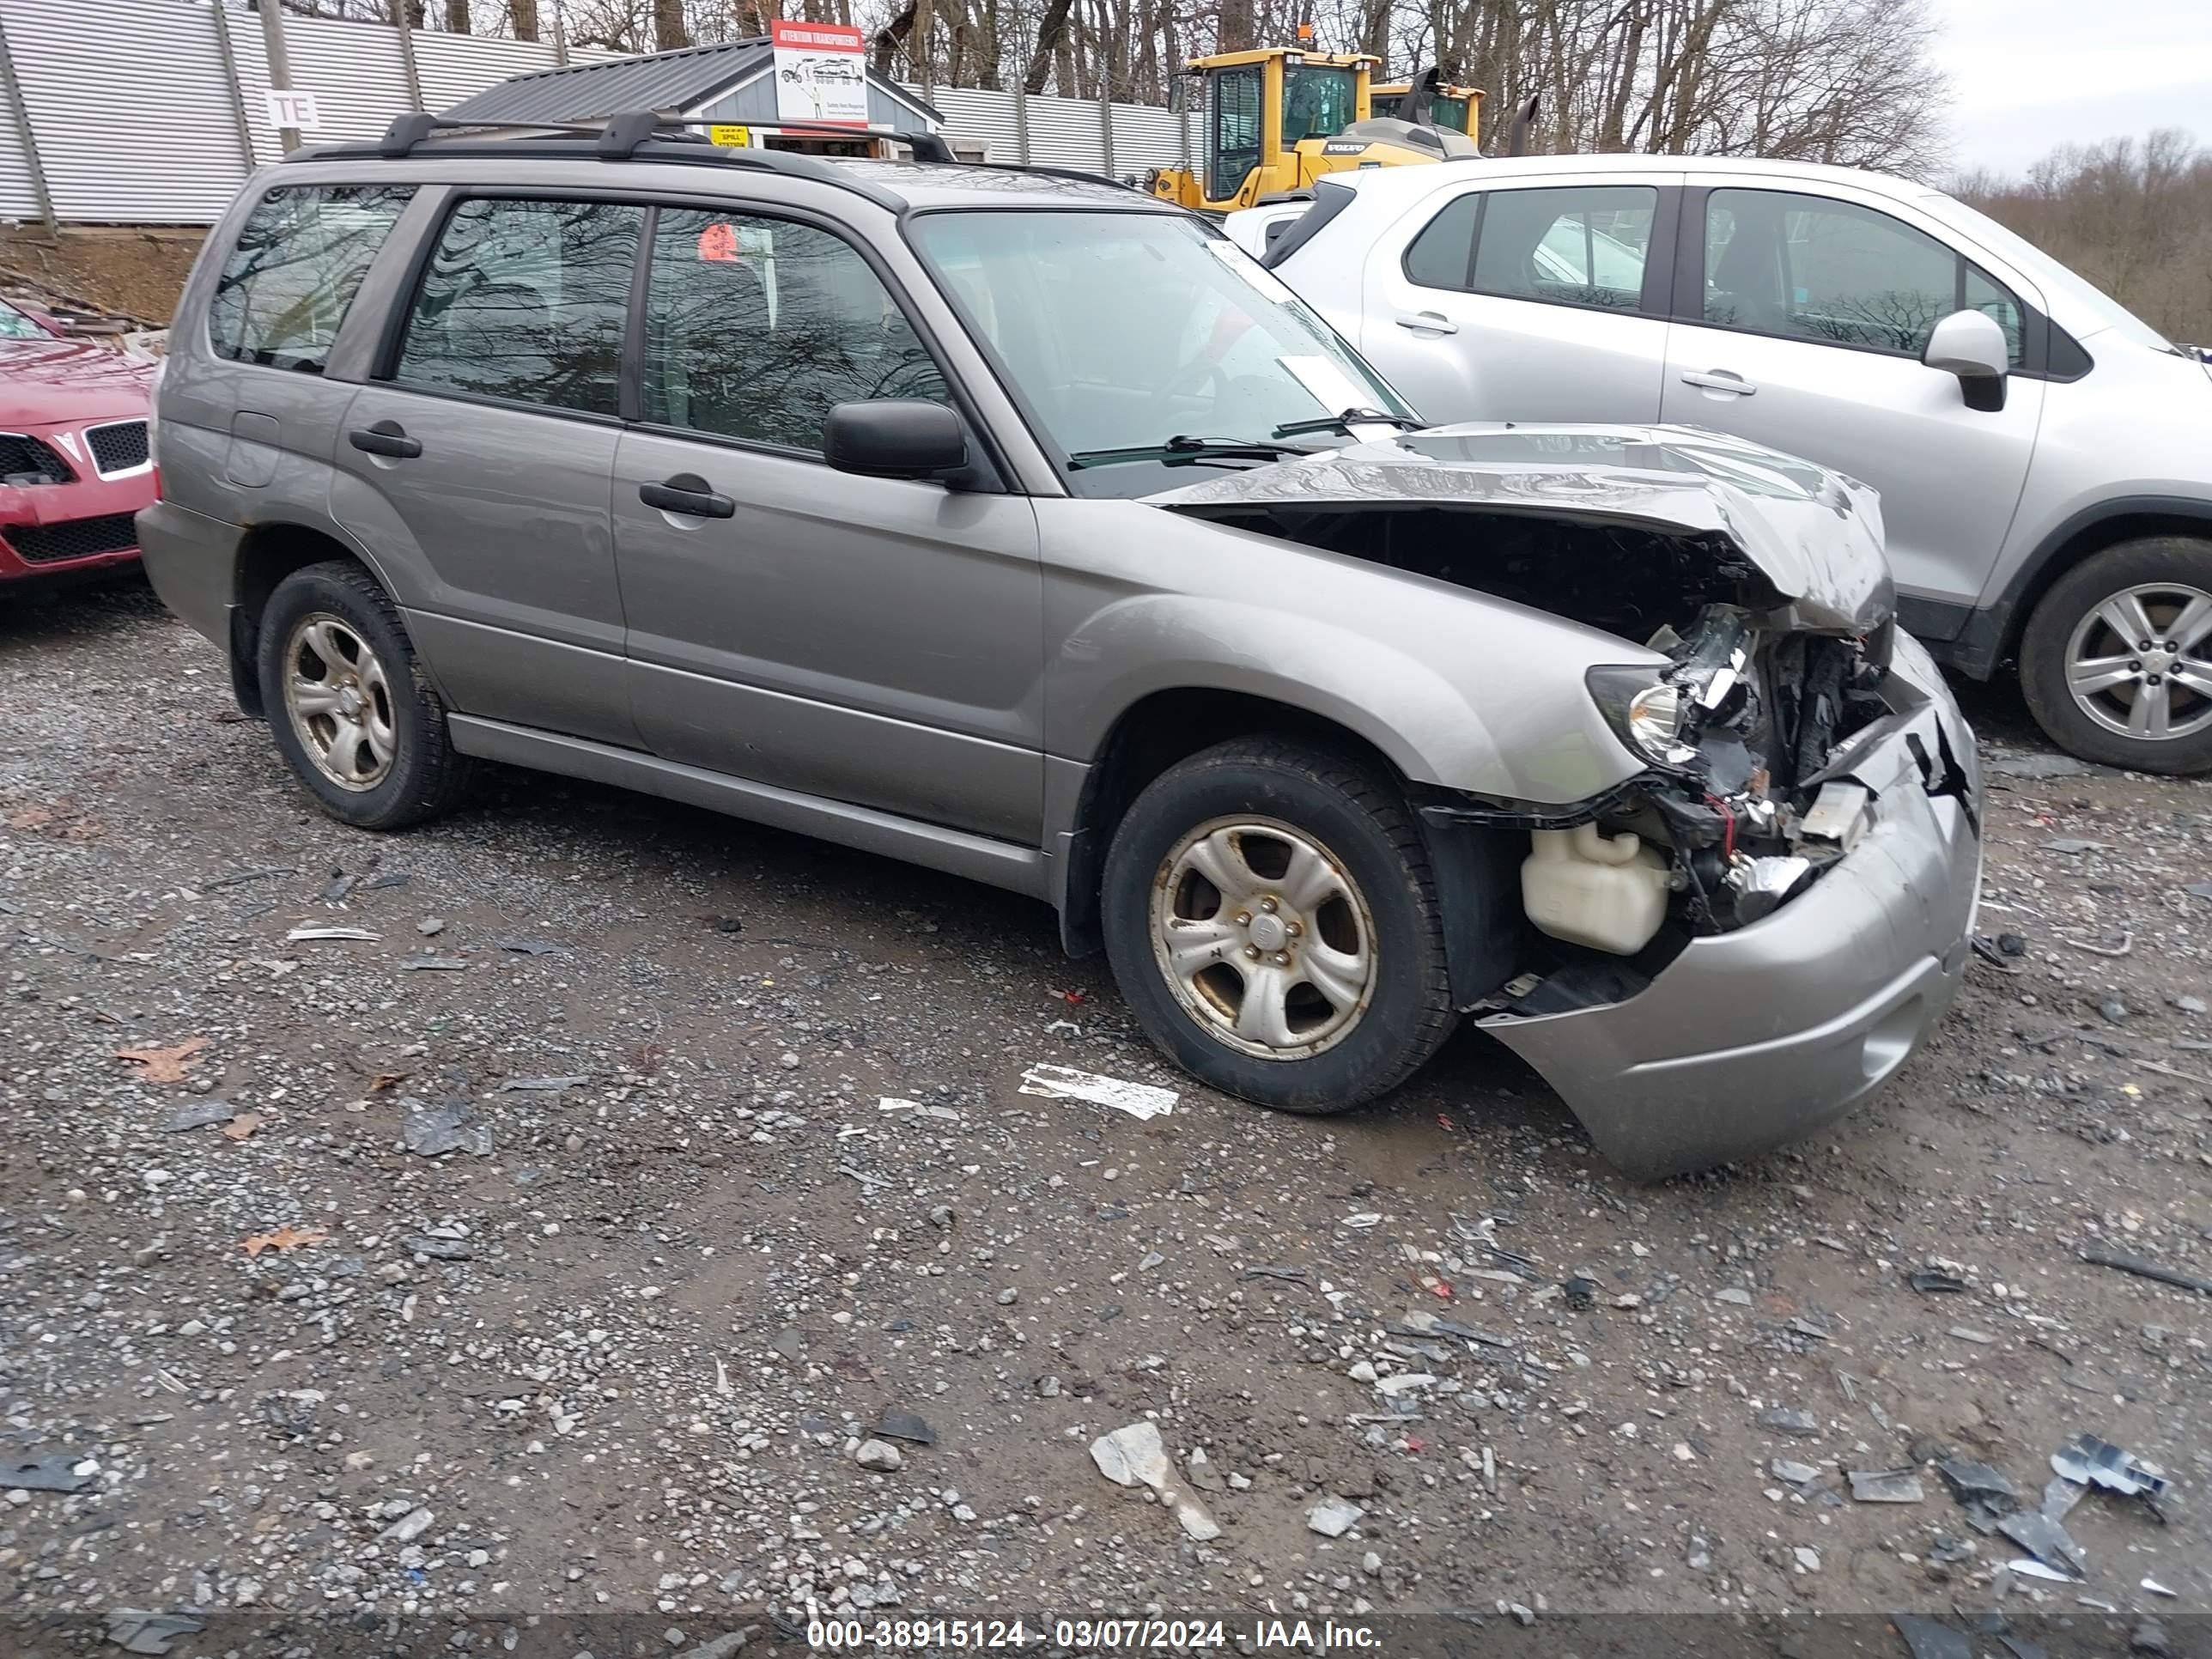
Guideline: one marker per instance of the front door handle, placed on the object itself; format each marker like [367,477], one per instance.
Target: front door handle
[1428,322]
[687,492]
[1720,380]
[385,438]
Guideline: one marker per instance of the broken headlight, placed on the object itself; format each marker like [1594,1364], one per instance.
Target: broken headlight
[1648,713]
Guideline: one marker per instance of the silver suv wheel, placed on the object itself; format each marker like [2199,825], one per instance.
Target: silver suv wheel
[2138,663]
[339,700]
[1263,938]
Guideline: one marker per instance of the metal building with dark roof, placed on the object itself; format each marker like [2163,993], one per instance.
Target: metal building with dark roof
[733,83]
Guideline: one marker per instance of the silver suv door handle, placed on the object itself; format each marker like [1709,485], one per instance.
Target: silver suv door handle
[1428,322]
[1720,380]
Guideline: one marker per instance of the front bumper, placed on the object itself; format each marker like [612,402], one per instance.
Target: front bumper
[53,529]
[1754,1037]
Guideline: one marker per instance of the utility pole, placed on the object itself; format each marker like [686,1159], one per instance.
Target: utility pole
[280,63]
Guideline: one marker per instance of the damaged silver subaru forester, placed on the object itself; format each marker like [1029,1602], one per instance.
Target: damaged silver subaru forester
[1023,527]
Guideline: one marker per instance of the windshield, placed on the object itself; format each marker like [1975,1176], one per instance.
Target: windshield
[2094,305]
[1317,103]
[14,325]
[1122,330]
[1449,112]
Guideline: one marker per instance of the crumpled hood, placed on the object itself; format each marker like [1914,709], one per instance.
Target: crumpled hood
[43,382]
[1814,536]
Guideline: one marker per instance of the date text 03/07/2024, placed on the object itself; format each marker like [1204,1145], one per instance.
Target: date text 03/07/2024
[1172,1635]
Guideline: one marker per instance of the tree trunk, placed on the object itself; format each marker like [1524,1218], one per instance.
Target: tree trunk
[522,17]
[669,32]
[1052,34]
[457,17]
[889,38]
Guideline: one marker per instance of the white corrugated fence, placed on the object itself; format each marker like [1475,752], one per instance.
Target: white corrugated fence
[152,112]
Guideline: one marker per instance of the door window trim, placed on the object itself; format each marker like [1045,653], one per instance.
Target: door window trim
[993,471]
[1653,299]
[2036,327]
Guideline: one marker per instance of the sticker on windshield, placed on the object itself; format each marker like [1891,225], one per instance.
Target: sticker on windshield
[1332,388]
[1265,281]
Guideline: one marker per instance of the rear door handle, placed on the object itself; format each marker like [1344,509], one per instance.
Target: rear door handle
[687,492]
[1720,380]
[385,438]
[1428,322]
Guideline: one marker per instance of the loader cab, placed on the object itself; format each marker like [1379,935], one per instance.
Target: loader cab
[1259,106]
[1459,109]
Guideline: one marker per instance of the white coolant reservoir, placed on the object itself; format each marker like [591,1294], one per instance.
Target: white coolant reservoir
[1606,891]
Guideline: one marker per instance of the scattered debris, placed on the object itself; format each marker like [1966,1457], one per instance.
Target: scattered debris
[2088,1461]
[2144,1269]
[1983,1492]
[1930,1283]
[1968,1334]
[307,933]
[2157,1588]
[409,1526]
[165,1065]
[529,947]
[441,1249]
[1296,1275]
[1735,1295]
[1332,1517]
[219,883]
[1789,1419]
[204,1115]
[1809,1559]
[341,885]
[1139,1100]
[1133,1457]
[2070,845]
[1885,1486]
[135,1630]
[286,1237]
[242,1126]
[2044,1539]
[2037,1570]
[1793,1474]
[433,1131]
[898,1425]
[2040,765]
[1580,1293]
[1931,1638]
[430,926]
[434,964]
[54,1472]
[549,1083]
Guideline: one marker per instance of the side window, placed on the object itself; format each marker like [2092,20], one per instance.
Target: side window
[1779,262]
[299,258]
[755,327]
[1582,245]
[1232,147]
[1441,254]
[525,299]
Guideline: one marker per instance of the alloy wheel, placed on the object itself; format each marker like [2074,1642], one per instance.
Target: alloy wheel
[339,700]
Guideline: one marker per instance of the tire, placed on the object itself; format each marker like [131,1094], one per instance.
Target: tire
[402,764]
[2076,621]
[1262,808]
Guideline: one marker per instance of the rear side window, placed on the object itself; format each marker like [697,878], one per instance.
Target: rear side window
[756,328]
[524,301]
[1580,245]
[298,261]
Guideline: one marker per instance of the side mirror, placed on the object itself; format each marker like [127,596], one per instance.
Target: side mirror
[1178,94]
[894,438]
[1972,345]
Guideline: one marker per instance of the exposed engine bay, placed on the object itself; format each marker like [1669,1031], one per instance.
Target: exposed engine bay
[1740,806]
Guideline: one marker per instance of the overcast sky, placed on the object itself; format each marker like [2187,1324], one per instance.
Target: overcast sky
[2029,74]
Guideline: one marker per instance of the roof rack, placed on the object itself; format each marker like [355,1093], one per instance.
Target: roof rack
[648,135]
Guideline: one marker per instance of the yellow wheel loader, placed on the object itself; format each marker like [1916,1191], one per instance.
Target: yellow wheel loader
[1276,119]
[1459,109]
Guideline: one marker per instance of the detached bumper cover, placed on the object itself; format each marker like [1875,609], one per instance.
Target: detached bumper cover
[1752,1038]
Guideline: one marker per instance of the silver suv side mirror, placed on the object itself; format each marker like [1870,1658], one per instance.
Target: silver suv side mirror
[1972,345]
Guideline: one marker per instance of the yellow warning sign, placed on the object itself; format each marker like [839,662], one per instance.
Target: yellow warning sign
[730,137]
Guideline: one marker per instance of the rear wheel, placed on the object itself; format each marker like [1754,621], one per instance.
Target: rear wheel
[350,707]
[1271,919]
[2116,661]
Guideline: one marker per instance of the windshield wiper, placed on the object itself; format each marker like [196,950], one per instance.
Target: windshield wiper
[1184,450]
[1346,422]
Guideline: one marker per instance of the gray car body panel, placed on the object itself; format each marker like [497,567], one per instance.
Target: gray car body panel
[936,674]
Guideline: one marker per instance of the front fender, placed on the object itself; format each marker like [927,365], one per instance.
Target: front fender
[1456,688]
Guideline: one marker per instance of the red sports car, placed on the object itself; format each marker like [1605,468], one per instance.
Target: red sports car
[74,466]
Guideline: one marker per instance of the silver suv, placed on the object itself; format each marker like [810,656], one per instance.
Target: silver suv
[2044,459]
[1023,527]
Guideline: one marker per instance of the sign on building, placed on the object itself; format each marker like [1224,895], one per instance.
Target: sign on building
[295,110]
[821,72]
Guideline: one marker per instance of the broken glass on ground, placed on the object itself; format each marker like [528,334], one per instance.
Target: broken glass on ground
[432,1130]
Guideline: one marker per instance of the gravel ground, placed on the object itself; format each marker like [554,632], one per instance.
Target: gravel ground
[739,1183]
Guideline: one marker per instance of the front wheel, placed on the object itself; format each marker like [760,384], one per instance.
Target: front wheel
[2116,661]
[1271,919]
